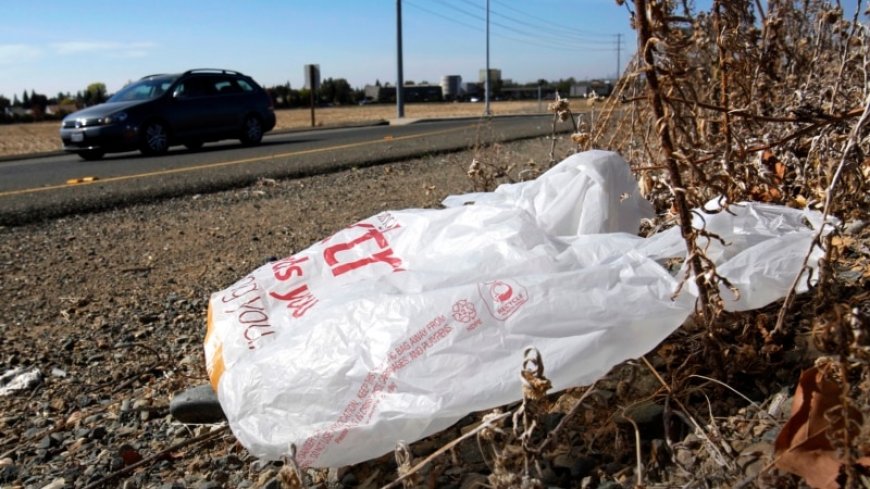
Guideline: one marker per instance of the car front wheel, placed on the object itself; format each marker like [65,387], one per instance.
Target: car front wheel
[155,138]
[252,131]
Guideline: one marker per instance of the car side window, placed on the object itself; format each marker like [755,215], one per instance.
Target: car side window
[245,86]
[226,85]
[196,86]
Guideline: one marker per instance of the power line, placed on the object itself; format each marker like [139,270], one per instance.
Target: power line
[571,43]
[451,19]
[548,22]
[571,36]
[534,39]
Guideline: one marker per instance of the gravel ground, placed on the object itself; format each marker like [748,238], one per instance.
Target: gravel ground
[106,314]
[107,310]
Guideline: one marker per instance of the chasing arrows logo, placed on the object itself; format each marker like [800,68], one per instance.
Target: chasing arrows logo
[503,297]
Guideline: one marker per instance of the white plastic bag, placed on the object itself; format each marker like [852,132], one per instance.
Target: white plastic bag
[399,325]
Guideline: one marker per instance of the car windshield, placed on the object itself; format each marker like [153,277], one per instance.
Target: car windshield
[144,89]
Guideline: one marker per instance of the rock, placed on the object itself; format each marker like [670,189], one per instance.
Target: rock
[74,419]
[685,458]
[98,433]
[473,481]
[8,472]
[643,413]
[55,484]
[19,379]
[45,443]
[208,485]
[754,458]
[197,405]
[141,404]
[853,228]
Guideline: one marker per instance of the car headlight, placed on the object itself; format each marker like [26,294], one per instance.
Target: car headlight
[113,118]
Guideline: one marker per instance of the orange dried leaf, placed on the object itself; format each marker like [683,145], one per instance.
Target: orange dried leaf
[779,169]
[803,447]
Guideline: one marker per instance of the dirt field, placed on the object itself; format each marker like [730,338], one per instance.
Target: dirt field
[18,139]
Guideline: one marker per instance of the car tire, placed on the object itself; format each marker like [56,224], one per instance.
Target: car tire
[252,131]
[91,154]
[154,138]
[193,145]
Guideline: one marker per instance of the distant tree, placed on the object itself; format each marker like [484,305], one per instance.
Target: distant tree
[15,101]
[25,99]
[359,95]
[377,82]
[95,94]
[542,82]
[304,97]
[38,103]
[336,91]
[281,95]
[5,103]
[564,86]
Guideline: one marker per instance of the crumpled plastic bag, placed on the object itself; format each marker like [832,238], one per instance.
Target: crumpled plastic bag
[397,326]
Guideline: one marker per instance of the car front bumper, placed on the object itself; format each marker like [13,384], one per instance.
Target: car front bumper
[113,137]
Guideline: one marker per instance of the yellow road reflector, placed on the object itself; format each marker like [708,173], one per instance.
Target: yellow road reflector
[388,138]
[76,181]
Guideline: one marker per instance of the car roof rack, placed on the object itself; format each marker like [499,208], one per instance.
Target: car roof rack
[212,70]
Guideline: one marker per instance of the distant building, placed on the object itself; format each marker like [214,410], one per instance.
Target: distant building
[494,75]
[411,93]
[451,86]
[591,88]
[56,109]
[18,111]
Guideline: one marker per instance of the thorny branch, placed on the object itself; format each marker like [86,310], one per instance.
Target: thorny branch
[487,423]
[646,45]
[829,198]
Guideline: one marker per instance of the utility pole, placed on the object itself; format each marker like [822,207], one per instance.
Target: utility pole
[486,111]
[618,53]
[400,82]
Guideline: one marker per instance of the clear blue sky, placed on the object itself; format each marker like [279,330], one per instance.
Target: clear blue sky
[62,46]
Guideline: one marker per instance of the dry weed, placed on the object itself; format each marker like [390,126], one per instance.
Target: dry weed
[751,101]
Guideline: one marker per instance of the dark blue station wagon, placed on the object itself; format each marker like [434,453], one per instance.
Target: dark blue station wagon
[160,111]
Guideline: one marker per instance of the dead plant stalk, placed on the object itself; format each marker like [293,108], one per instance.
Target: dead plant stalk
[829,198]
[646,43]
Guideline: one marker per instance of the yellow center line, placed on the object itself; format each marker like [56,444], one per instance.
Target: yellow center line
[10,193]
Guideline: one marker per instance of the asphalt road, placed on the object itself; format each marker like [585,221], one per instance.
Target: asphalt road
[34,189]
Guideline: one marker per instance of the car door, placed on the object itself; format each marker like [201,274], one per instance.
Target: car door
[230,104]
[194,113]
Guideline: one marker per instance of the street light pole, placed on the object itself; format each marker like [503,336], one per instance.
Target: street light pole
[488,84]
[400,99]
